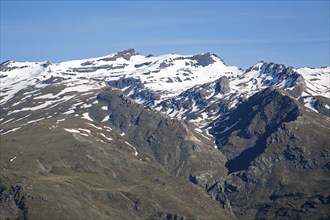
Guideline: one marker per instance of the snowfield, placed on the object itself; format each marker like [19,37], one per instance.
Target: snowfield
[177,85]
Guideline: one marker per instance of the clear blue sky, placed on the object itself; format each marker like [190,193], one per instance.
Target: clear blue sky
[294,33]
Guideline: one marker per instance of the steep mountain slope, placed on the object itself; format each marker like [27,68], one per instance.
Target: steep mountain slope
[68,167]
[170,142]
[278,159]
[202,104]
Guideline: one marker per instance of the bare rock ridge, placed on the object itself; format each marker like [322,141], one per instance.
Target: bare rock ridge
[170,142]
[250,124]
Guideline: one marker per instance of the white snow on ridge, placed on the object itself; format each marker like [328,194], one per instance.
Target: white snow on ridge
[318,80]
[227,128]
[170,73]
[166,75]
[106,118]
[86,116]
[47,103]
[85,130]
[11,130]
[135,153]
[19,119]
[60,120]
[21,76]
[105,108]
[108,138]
[108,129]
[310,103]
[33,121]
[46,96]
[9,120]
[68,112]
[72,130]
[12,159]
[99,128]
[86,105]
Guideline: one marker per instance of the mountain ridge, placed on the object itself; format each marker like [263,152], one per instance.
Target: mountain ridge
[125,126]
[161,78]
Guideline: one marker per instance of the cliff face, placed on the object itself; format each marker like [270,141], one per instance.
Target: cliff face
[278,160]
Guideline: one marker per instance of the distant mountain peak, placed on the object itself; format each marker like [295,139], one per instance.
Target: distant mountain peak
[127,51]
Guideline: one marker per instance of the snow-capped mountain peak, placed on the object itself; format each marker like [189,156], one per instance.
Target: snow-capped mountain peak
[194,87]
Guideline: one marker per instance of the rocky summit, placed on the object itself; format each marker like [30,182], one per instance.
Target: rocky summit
[129,136]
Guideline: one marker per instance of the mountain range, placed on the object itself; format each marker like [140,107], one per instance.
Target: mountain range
[129,136]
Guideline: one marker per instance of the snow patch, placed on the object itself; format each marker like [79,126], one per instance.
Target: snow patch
[106,118]
[99,128]
[228,128]
[135,153]
[310,103]
[86,116]
[11,130]
[59,120]
[8,121]
[86,105]
[105,108]
[12,159]
[33,121]
[68,112]
[85,130]
[107,128]
[72,130]
[110,139]
[46,96]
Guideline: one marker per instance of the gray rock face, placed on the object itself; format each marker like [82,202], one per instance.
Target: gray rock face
[126,54]
[203,59]
[222,85]
[136,88]
[126,82]
[299,86]
[250,124]
[321,104]
[12,203]
[274,146]
[168,141]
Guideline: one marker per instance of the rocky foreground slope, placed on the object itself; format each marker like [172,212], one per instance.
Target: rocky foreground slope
[128,136]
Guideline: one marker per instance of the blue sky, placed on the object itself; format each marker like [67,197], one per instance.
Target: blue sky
[295,33]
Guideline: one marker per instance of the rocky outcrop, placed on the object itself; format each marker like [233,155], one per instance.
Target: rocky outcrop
[222,85]
[170,142]
[203,59]
[126,54]
[241,135]
[322,105]
[274,146]
[12,203]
